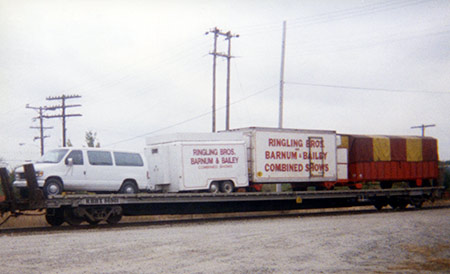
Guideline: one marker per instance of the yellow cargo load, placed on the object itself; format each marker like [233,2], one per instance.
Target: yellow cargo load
[414,150]
[381,149]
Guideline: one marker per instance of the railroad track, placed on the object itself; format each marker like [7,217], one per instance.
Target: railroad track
[154,221]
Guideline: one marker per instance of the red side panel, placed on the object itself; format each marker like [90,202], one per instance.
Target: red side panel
[392,171]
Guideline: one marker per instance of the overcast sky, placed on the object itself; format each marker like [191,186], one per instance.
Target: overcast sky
[143,68]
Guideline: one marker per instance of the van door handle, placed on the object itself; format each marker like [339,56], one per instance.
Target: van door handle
[84,172]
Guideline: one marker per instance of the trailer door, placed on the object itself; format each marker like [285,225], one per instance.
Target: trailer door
[158,165]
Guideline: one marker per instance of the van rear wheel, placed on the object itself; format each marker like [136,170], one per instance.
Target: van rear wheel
[129,187]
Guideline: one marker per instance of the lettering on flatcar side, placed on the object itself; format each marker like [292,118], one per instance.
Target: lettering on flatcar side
[101,200]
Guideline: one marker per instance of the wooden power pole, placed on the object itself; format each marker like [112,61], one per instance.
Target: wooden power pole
[41,127]
[228,37]
[423,128]
[63,114]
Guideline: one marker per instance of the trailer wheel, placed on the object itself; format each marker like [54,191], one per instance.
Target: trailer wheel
[129,187]
[53,186]
[54,216]
[214,187]
[227,187]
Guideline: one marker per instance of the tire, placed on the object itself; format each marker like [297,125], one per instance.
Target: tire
[214,187]
[54,217]
[53,186]
[129,187]
[227,187]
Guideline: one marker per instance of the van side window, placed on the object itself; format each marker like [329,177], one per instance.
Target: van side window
[100,158]
[77,157]
[128,159]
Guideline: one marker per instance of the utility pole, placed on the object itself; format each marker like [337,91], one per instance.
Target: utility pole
[63,114]
[214,53]
[423,128]
[283,50]
[41,127]
[280,115]
[228,37]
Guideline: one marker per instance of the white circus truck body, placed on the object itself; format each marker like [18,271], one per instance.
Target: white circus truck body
[291,155]
[197,161]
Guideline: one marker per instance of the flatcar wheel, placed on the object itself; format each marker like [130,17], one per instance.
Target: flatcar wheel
[394,204]
[214,187]
[70,217]
[114,219]
[418,204]
[90,222]
[379,206]
[54,217]
[402,204]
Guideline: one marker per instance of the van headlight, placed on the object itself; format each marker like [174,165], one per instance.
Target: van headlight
[39,173]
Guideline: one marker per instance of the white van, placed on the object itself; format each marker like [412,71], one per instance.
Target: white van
[88,169]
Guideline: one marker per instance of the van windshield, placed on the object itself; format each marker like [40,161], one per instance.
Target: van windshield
[53,156]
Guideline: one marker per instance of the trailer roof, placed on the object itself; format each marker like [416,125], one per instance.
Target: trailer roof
[273,129]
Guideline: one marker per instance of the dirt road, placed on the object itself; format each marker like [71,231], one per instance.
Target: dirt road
[390,242]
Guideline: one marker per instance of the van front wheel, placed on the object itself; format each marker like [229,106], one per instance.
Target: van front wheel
[52,187]
[129,187]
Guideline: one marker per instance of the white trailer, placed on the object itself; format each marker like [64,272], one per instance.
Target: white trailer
[306,157]
[197,161]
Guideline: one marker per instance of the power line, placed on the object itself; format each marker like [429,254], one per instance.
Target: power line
[365,88]
[190,119]
[334,15]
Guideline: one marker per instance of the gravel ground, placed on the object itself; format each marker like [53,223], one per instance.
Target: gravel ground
[389,242]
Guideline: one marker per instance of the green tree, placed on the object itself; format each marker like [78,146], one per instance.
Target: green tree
[91,139]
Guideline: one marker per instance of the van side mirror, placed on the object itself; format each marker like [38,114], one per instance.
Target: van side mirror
[69,162]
